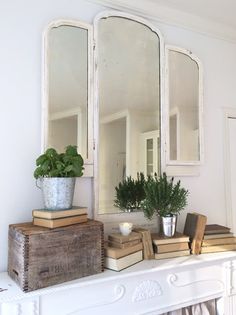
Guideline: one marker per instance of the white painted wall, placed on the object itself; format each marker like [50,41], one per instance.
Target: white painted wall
[21,26]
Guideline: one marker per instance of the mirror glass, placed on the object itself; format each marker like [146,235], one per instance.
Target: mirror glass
[129,104]
[184,140]
[67,69]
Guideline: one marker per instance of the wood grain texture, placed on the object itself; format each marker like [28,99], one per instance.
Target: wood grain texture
[40,257]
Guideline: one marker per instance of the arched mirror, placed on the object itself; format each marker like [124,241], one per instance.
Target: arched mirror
[184,100]
[128,74]
[68,110]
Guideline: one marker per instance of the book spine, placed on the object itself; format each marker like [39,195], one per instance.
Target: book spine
[199,234]
[216,249]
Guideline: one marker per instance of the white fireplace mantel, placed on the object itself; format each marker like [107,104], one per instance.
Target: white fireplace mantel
[150,287]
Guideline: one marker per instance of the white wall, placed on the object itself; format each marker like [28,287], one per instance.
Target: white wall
[21,26]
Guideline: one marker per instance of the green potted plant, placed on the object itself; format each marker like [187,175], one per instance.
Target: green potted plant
[166,199]
[56,173]
[130,193]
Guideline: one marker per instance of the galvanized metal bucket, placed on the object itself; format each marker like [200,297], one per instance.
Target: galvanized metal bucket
[58,192]
[169,225]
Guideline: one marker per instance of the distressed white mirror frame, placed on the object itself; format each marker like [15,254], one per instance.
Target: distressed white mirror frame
[88,161]
[111,220]
[181,166]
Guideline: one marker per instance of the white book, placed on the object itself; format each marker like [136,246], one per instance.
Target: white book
[179,253]
[124,262]
[213,236]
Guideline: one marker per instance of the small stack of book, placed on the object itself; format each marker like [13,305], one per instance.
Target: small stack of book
[217,238]
[58,218]
[123,251]
[170,247]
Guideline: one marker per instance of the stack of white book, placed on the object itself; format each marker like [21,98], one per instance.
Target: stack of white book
[218,238]
[123,251]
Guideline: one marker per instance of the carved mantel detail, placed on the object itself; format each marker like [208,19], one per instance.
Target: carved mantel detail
[173,279]
[147,289]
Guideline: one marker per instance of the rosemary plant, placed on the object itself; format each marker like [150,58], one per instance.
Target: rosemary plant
[163,197]
[130,193]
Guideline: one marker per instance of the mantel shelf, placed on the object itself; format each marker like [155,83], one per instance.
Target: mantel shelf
[145,282]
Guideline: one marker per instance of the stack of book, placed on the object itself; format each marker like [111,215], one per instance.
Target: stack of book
[217,238]
[169,247]
[58,218]
[123,251]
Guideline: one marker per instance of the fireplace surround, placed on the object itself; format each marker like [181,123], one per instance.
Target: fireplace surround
[150,288]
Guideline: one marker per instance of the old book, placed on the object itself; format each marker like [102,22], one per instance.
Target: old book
[124,262]
[166,248]
[148,252]
[194,228]
[218,248]
[172,254]
[216,229]
[123,245]
[214,236]
[219,241]
[119,238]
[55,223]
[55,214]
[118,252]
[162,239]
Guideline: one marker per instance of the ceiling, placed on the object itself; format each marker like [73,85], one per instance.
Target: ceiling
[216,10]
[210,17]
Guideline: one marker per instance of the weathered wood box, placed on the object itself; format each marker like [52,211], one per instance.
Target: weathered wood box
[39,257]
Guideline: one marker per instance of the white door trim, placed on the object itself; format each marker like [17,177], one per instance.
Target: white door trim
[228,113]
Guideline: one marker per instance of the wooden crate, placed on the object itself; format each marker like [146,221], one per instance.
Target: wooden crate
[39,257]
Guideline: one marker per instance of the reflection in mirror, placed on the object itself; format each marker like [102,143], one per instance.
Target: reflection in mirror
[129,104]
[184,138]
[67,69]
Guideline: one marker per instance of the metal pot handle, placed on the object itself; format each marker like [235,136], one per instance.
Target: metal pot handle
[37,183]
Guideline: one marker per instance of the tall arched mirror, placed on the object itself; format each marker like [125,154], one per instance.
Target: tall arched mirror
[184,99]
[128,101]
[68,109]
